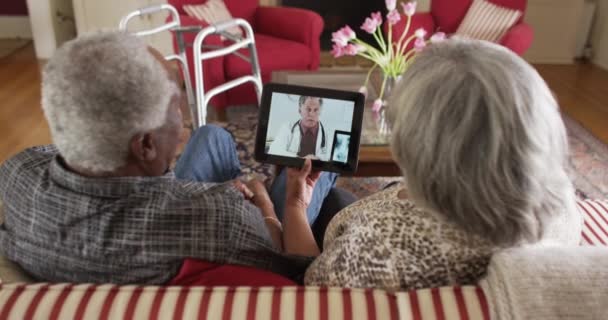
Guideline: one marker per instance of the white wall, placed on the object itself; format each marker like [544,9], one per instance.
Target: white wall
[42,28]
[52,24]
[94,16]
[599,35]
[15,27]
[556,25]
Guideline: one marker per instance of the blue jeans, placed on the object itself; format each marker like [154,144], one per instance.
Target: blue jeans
[210,156]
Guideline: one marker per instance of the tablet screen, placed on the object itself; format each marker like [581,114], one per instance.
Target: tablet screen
[303,122]
[304,126]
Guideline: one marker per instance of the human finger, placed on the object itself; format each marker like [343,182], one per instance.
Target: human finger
[244,189]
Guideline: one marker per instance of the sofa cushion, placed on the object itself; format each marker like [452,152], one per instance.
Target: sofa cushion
[487,21]
[595,222]
[273,54]
[85,301]
[213,11]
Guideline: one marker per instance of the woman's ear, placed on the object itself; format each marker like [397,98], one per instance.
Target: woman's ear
[143,147]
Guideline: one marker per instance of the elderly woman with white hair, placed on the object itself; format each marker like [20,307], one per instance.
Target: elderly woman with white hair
[482,148]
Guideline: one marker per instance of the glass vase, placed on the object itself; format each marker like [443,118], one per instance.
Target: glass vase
[376,82]
[390,84]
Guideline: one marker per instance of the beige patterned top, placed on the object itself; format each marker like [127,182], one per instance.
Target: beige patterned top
[385,242]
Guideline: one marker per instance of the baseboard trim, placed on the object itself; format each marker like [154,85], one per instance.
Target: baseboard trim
[15,27]
[601,63]
[548,60]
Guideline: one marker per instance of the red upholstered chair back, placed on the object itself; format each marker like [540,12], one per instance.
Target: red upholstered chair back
[238,8]
[448,14]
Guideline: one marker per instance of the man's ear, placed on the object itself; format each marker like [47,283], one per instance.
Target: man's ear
[143,147]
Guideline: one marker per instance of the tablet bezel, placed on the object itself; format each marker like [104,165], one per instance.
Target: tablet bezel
[358,100]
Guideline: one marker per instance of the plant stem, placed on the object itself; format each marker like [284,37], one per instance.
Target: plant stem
[380,40]
[371,50]
[390,41]
[381,36]
[409,54]
[405,31]
[369,73]
[382,88]
[407,42]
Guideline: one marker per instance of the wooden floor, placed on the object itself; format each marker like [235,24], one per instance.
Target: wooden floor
[582,90]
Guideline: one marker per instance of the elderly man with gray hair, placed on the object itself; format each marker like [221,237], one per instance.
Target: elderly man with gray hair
[101,205]
[483,150]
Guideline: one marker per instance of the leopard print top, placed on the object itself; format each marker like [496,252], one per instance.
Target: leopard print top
[385,242]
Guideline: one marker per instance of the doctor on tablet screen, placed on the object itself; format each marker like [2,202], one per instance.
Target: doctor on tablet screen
[306,137]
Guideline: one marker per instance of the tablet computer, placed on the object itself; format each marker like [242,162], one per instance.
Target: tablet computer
[297,122]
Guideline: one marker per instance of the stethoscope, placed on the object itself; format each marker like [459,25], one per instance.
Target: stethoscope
[302,134]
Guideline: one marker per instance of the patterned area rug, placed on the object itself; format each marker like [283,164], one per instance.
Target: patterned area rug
[588,161]
[588,158]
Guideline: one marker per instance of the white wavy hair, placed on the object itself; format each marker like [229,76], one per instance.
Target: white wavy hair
[98,91]
[479,138]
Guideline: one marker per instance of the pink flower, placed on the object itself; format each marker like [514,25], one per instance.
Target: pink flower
[351,49]
[409,8]
[372,23]
[339,38]
[377,16]
[391,5]
[348,32]
[377,105]
[342,36]
[369,25]
[337,51]
[438,37]
[420,33]
[393,17]
[419,45]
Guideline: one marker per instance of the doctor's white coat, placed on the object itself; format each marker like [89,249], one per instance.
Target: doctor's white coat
[287,142]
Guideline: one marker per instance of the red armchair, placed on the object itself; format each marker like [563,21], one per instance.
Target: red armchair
[446,16]
[286,39]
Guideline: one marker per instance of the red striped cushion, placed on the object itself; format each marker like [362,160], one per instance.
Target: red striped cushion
[487,21]
[63,301]
[595,217]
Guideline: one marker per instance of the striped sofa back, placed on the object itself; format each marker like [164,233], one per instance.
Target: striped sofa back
[65,301]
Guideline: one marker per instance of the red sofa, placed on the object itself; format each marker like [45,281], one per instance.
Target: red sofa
[286,39]
[446,16]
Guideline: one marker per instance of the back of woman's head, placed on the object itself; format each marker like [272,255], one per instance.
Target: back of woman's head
[479,138]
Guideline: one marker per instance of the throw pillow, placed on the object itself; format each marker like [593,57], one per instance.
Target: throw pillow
[487,21]
[212,11]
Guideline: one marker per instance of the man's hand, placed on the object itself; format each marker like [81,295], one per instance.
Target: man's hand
[260,198]
[300,184]
[243,188]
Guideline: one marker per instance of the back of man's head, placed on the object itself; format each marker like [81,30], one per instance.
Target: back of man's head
[98,91]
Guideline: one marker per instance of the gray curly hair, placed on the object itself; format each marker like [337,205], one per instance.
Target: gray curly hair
[479,138]
[98,91]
